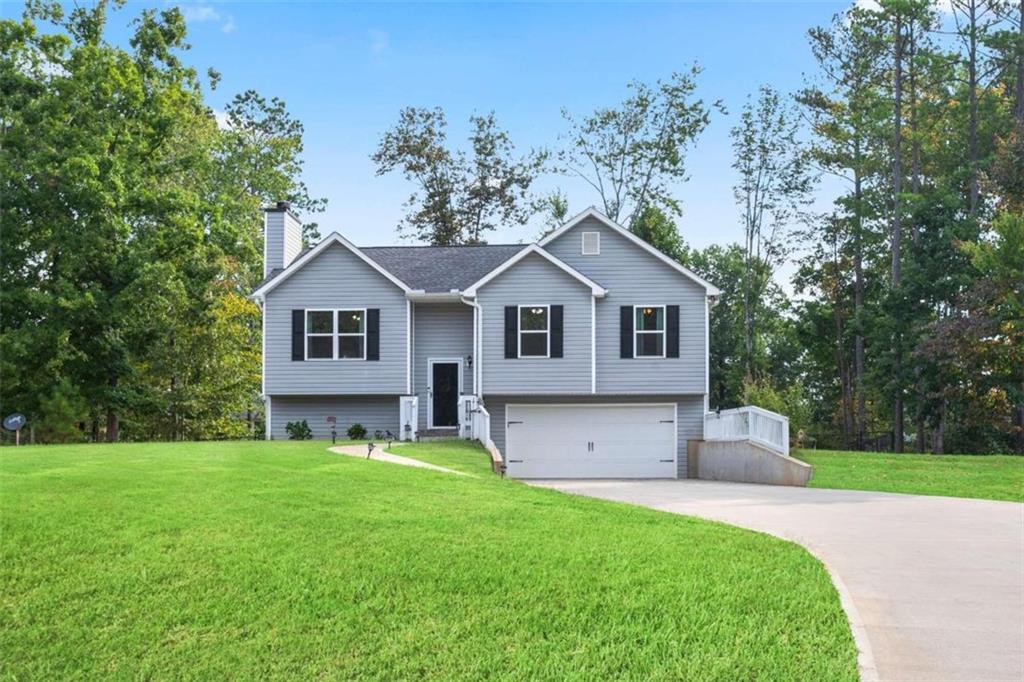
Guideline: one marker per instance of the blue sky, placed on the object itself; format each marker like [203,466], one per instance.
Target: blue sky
[345,71]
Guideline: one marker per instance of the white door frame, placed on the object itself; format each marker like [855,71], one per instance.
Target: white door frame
[675,416]
[430,390]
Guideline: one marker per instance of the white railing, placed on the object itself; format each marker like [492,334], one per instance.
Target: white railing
[749,423]
[408,414]
[482,426]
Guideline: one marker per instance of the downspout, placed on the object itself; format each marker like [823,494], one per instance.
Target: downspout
[261,301]
[478,361]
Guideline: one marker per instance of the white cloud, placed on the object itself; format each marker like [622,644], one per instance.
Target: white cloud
[379,41]
[222,119]
[201,14]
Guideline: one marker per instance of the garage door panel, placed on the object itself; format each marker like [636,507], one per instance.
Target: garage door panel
[591,441]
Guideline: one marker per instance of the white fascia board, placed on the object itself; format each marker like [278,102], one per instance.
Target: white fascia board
[710,288]
[332,238]
[595,288]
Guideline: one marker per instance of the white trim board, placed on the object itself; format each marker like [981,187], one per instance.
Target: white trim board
[332,238]
[595,288]
[710,288]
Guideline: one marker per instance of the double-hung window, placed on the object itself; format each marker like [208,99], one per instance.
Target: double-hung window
[351,334]
[534,331]
[319,334]
[336,334]
[649,331]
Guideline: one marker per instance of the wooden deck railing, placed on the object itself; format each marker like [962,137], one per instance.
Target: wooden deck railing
[749,423]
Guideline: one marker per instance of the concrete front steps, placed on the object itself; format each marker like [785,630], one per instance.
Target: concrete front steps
[743,461]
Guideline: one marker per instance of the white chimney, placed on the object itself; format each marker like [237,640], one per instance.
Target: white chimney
[282,237]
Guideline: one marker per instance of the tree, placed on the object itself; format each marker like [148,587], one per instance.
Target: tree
[773,191]
[656,228]
[631,155]
[554,207]
[458,199]
[130,220]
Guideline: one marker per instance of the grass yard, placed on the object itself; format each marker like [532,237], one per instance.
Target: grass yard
[458,455]
[281,560]
[990,477]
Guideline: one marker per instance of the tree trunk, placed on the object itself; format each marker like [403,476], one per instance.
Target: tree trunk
[972,93]
[897,230]
[844,372]
[1018,106]
[858,302]
[113,423]
[113,426]
[95,430]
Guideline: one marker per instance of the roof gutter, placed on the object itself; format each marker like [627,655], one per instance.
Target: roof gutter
[421,296]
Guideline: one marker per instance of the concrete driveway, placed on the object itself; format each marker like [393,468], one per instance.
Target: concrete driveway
[933,586]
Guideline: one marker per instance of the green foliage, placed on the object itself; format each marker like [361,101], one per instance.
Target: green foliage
[298,430]
[356,432]
[359,564]
[458,198]
[633,154]
[656,228]
[60,413]
[791,401]
[132,227]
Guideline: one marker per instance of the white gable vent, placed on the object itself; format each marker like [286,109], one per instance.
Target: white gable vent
[591,243]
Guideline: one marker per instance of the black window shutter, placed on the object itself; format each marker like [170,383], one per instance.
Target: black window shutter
[556,331]
[672,331]
[511,331]
[373,334]
[298,335]
[626,331]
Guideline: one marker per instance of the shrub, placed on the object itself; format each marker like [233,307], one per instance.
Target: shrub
[378,434]
[356,432]
[299,430]
[791,402]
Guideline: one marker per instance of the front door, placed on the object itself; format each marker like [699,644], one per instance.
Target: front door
[444,400]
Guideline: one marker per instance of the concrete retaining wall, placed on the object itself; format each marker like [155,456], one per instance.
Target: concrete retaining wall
[744,462]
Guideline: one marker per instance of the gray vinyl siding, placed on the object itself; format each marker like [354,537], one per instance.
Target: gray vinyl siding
[536,281]
[283,240]
[689,423]
[440,330]
[336,278]
[373,412]
[636,277]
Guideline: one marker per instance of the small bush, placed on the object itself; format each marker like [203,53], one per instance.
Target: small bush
[299,430]
[378,434]
[356,432]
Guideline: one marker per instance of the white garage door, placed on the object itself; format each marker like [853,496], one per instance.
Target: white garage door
[591,441]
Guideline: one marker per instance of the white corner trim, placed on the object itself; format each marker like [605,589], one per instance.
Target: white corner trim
[593,345]
[707,359]
[267,420]
[408,347]
[595,288]
[592,212]
[332,238]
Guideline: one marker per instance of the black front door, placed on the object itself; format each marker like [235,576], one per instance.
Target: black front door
[446,394]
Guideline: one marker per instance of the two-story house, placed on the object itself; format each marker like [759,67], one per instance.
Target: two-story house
[588,349]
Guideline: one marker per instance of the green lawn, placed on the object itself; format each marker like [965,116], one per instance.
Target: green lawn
[459,455]
[991,477]
[269,560]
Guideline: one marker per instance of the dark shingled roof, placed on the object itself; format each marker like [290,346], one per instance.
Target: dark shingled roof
[441,268]
[434,268]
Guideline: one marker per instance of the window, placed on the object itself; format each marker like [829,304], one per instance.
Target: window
[649,331]
[319,334]
[534,331]
[335,334]
[351,334]
[591,243]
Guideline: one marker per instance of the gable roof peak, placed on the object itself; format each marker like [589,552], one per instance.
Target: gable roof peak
[709,288]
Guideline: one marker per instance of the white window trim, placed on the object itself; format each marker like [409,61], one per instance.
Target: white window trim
[546,331]
[335,333]
[583,243]
[308,334]
[663,331]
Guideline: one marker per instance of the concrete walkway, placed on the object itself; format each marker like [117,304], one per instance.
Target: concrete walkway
[933,586]
[381,456]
